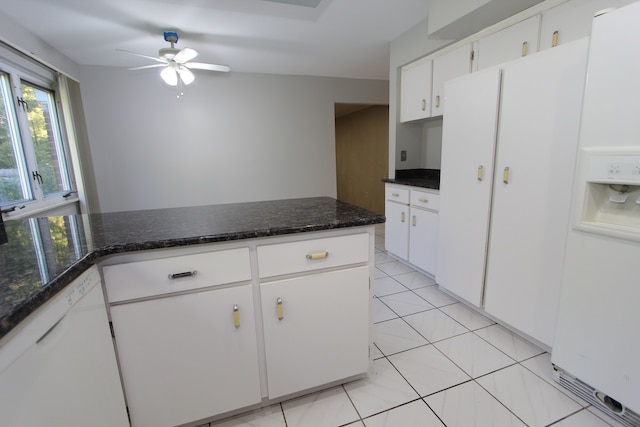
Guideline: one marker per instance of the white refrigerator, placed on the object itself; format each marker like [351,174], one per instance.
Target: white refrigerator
[596,350]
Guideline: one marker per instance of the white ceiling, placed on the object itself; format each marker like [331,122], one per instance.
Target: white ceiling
[338,38]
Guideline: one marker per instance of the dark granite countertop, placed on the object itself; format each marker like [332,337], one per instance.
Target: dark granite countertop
[43,255]
[425,178]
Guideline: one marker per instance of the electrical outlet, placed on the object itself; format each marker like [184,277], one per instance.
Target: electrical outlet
[403,155]
[636,170]
[614,168]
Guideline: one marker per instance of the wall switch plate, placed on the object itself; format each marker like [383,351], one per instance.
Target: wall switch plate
[403,155]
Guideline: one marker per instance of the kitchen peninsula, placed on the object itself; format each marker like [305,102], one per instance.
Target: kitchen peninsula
[295,275]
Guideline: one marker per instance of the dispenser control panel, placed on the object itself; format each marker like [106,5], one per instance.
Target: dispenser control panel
[622,169]
[609,192]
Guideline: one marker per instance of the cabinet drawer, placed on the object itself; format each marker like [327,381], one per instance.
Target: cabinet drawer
[150,278]
[423,199]
[397,194]
[307,255]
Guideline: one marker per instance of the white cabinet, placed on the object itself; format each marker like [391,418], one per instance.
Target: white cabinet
[572,20]
[316,329]
[445,67]
[538,136]
[466,177]
[415,93]
[396,227]
[518,40]
[185,356]
[423,231]
[323,310]
[411,229]
[539,109]
[60,368]
[199,335]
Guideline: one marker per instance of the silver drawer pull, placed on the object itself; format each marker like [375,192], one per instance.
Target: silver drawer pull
[423,200]
[317,255]
[183,274]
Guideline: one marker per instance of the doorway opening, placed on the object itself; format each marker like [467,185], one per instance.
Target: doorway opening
[362,154]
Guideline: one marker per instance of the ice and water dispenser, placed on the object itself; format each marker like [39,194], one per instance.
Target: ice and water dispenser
[609,191]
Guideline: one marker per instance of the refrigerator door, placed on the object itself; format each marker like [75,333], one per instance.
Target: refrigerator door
[596,337]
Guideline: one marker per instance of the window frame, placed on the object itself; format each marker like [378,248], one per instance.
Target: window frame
[20,70]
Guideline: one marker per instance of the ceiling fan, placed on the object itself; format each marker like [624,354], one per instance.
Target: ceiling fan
[177,62]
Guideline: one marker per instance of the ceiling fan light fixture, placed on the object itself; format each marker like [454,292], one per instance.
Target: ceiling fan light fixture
[169,75]
[185,74]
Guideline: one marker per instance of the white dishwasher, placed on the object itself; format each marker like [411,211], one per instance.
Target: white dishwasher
[58,368]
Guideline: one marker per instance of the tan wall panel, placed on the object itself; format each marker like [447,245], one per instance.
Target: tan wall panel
[362,157]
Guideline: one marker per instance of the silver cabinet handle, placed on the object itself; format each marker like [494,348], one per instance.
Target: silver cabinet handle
[183,274]
[236,316]
[413,220]
[480,172]
[438,101]
[402,217]
[505,175]
[280,309]
[423,105]
[423,200]
[395,194]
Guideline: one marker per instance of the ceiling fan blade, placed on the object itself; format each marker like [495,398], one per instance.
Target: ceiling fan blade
[186,54]
[205,66]
[154,58]
[148,66]
[186,75]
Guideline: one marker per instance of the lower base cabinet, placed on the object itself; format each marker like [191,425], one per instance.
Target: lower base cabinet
[197,334]
[411,230]
[316,329]
[423,237]
[183,359]
[396,231]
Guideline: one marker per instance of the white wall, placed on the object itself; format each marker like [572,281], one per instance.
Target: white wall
[231,137]
[22,39]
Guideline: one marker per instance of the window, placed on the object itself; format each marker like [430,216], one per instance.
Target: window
[34,170]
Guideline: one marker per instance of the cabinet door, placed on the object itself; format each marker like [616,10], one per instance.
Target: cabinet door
[518,40]
[571,20]
[183,359]
[446,67]
[468,145]
[415,95]
[68,377]
[423,239]
[396,229]
[319,332]
[538,137]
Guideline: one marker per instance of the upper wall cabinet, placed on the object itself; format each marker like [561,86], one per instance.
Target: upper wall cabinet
[445,67]
[415,93]
[571,20]
[518,40]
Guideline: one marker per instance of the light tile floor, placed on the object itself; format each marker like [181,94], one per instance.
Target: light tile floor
[437,363]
